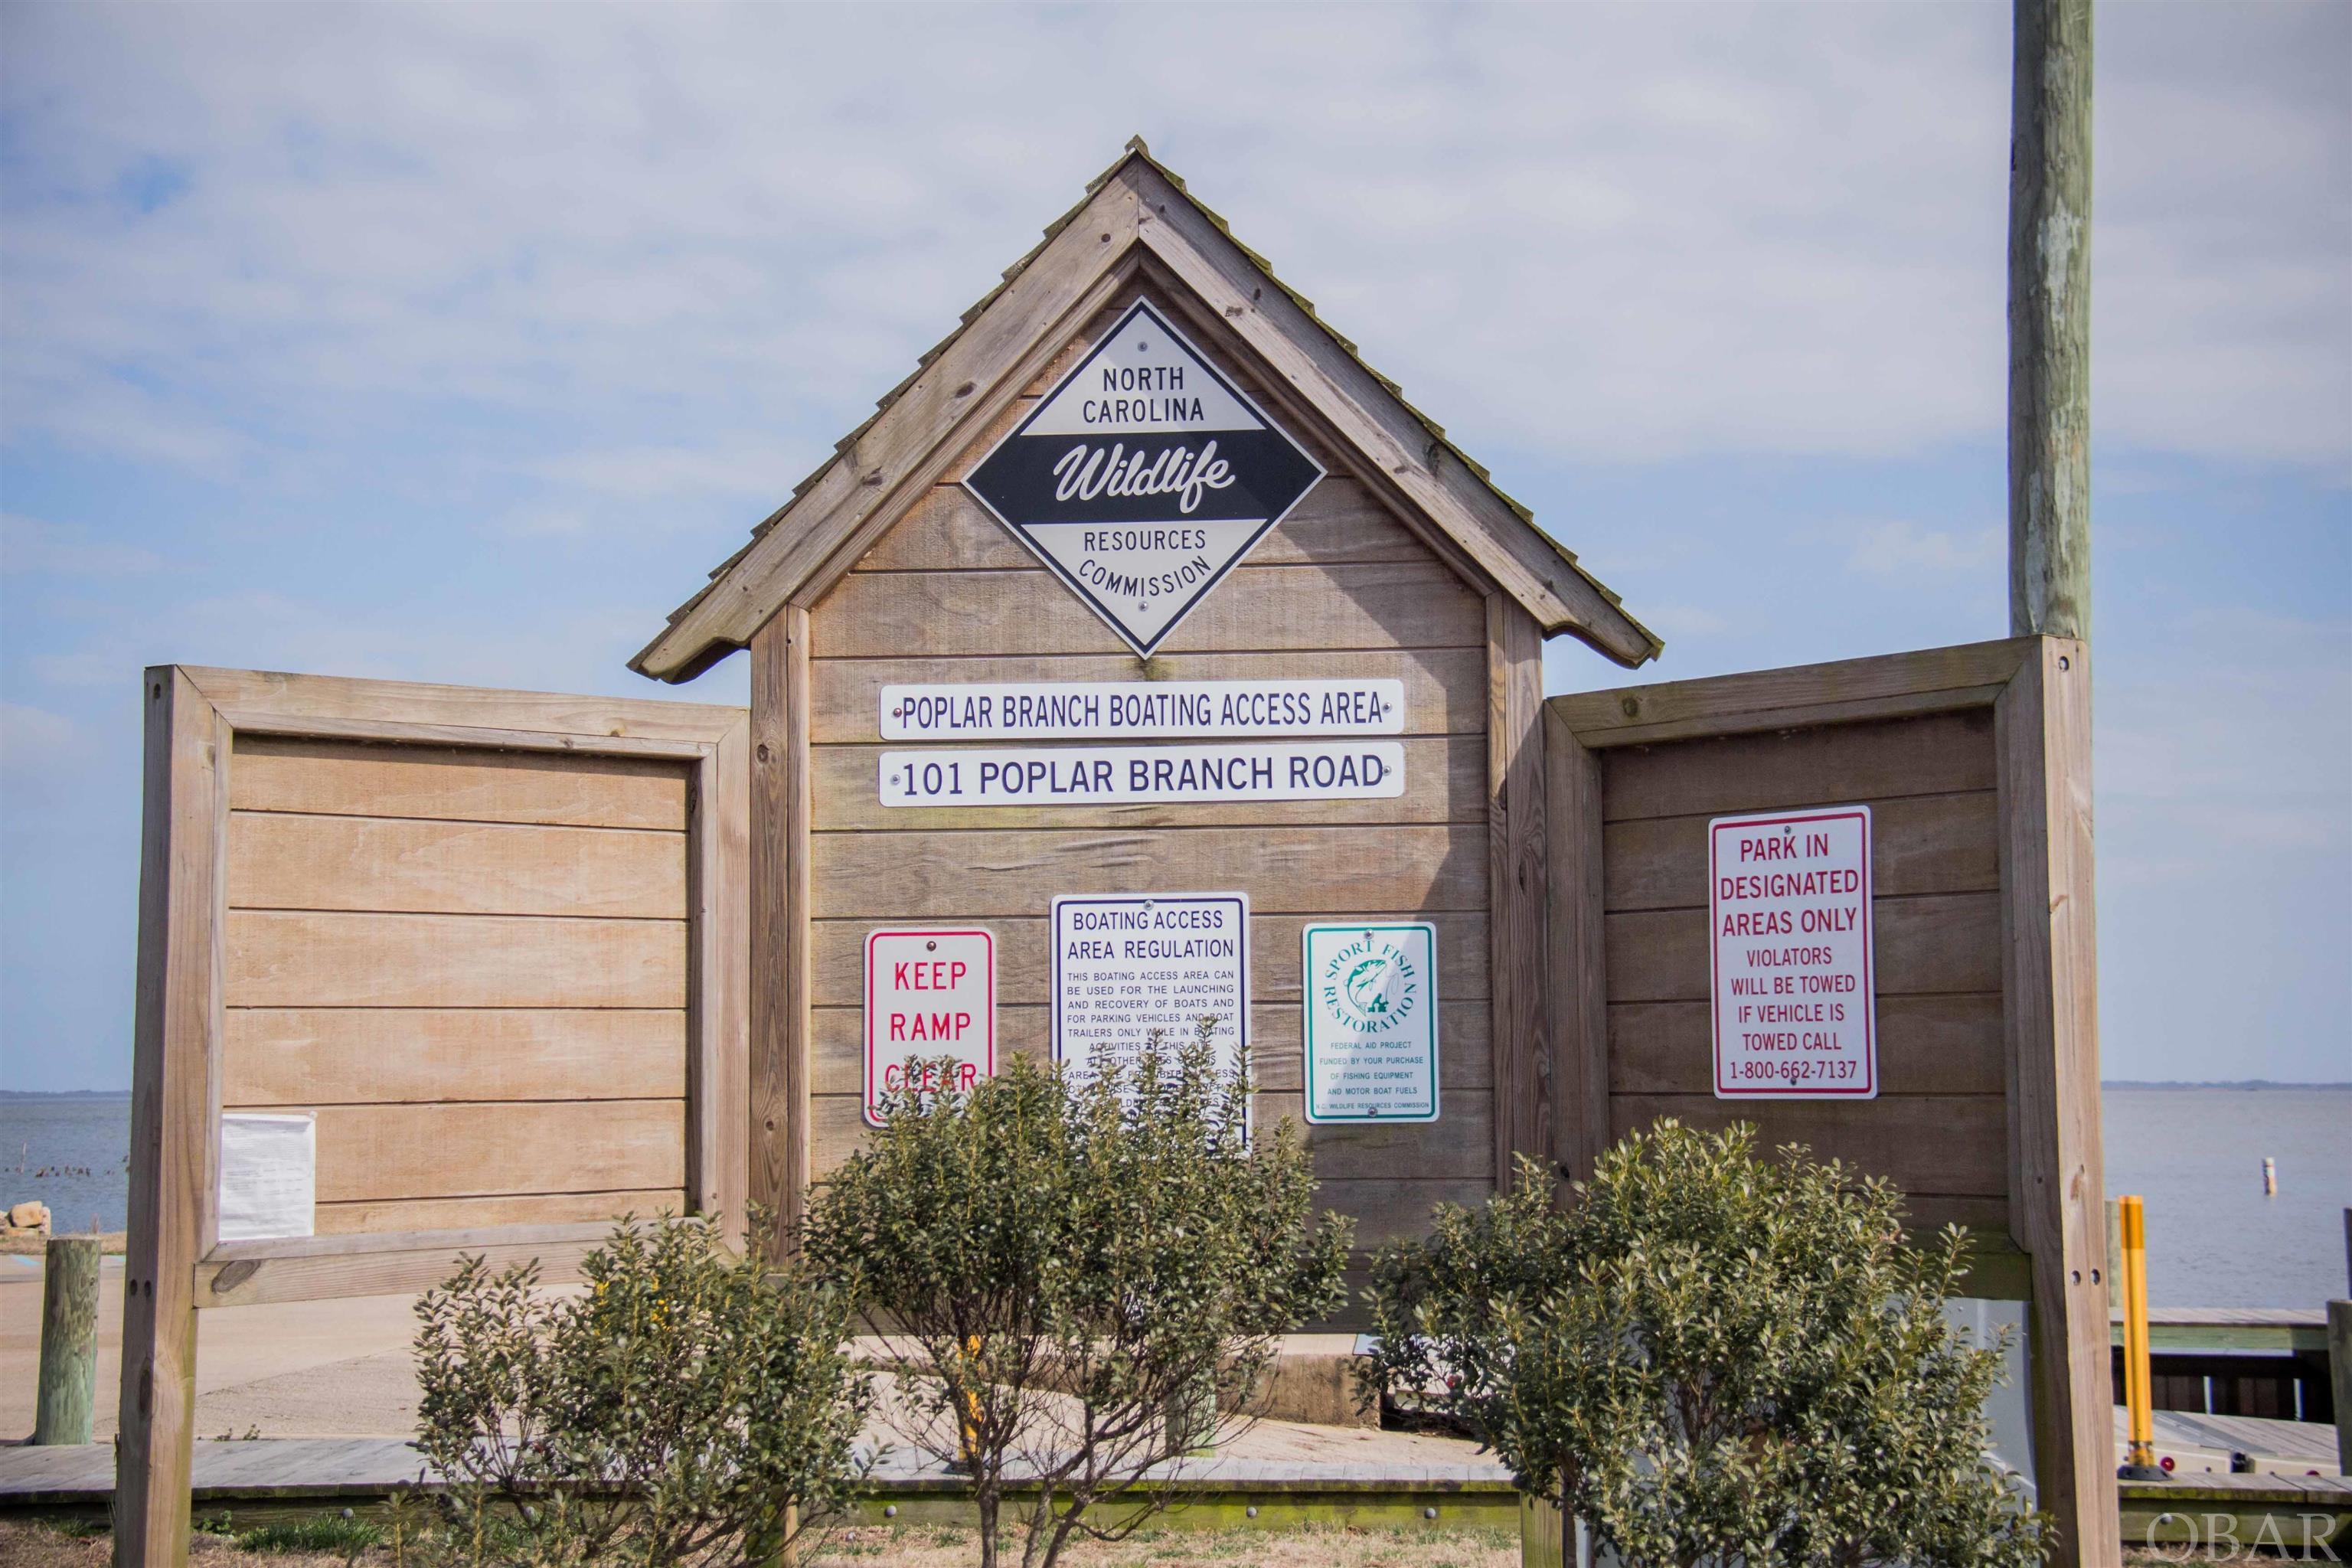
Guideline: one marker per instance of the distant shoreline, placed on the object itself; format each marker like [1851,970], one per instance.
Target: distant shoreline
[2234,1083]
[65,1094]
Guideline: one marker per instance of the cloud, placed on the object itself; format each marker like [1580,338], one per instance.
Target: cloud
[36,744]
[30,544]
[746,467]
[2233,740]
[1685,621]
[1608,232]
[1901,548]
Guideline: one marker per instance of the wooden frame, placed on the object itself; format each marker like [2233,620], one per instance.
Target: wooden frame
[2038,692]
[176,1263]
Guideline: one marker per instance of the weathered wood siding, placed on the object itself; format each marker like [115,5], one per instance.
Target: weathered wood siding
[473,966]
[1938,1128]
[1342,588]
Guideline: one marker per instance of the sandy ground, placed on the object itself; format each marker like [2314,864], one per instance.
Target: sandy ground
[341,1369]
[307,1369]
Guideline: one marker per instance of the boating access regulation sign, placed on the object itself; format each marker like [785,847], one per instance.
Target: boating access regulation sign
[1143,478]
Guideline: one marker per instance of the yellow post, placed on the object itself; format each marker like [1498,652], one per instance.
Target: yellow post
[2140,1456]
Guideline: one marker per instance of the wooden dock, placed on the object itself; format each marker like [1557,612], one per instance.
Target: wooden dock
[2277,1329]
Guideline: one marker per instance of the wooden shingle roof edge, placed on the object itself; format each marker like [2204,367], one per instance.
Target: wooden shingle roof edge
[1135,207]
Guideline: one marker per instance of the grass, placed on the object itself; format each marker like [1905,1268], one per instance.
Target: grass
[329,1543]
[345,1538]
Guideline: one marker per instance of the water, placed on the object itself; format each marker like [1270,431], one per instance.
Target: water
[2195,1154]
[70,1151]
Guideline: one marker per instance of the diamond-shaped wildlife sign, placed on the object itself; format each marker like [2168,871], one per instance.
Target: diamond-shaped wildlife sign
[1143,478]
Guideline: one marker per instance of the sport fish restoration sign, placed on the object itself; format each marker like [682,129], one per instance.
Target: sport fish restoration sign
[1144,775]
[1371,1022]
[1794,992]
[929,994]
[1142,478]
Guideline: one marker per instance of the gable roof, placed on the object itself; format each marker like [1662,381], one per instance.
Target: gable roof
[1134,210]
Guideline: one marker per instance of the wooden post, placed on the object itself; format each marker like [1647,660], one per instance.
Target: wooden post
[2339,1373]
[779,931]
[1517,852]
[69,1387]
[171,1100]
[1544,1534]
[2050,321]
[2050,986]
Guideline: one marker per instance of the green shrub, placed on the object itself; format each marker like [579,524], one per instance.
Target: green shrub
[684,1406]
[1713,1358]
[1068,1277]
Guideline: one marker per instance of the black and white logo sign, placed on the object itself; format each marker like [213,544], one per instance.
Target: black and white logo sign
[1143,478]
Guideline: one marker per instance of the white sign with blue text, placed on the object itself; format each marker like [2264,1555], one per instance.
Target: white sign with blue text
[1144,775]
[1141,709]
[1129,966]
[1371,1022]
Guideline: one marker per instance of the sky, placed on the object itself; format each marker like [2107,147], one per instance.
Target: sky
[458,342]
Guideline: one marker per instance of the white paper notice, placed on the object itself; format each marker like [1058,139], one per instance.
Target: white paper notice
[1795,998]
[268,1175]
[1128,965]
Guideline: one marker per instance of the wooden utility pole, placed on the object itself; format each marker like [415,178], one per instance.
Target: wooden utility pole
[2050,595]
[2050,321]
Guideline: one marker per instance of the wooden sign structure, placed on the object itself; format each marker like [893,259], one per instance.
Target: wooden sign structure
[1975,763]
[1231,636]
[889,596]
[494,942]
[1562,873]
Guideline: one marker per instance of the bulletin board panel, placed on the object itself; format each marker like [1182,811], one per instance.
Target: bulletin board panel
[1975,763]
[495,943]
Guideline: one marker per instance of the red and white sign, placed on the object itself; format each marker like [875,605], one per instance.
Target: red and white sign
[929,994]
[1795,997]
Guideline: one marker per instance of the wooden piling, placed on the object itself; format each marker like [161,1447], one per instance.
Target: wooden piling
[68,1379]
[2339,1373]
[1546,1538]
